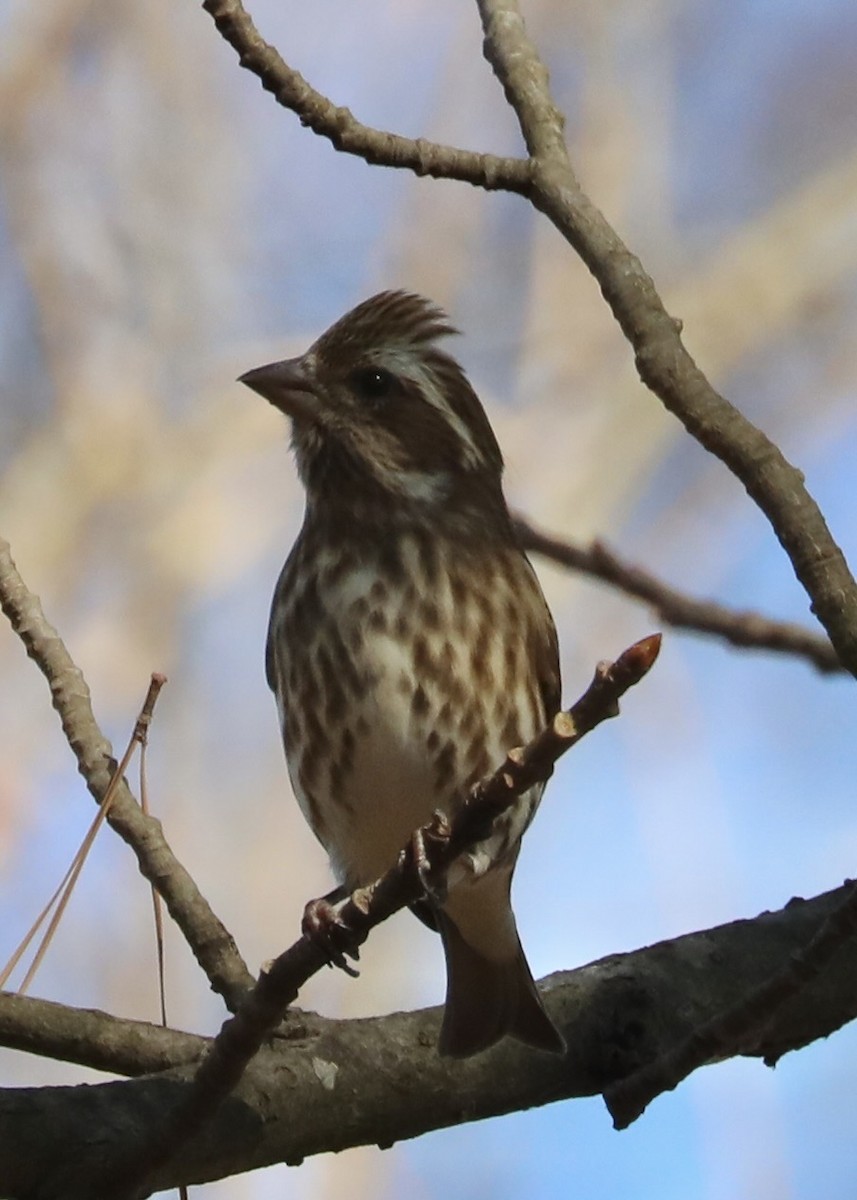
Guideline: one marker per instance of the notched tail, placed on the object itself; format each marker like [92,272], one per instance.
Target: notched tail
[486,1000]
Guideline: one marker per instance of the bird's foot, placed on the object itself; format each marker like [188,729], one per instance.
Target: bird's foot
[423,846]
[323,925]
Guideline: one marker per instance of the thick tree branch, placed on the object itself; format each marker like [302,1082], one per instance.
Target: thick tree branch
[336,1084]
[745,628]
[724,1034]
[92,1038]
[210,941]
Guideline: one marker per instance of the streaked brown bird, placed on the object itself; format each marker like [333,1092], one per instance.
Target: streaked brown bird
[410,645]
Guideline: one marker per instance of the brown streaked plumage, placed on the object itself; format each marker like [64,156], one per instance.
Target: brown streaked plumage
[410,645]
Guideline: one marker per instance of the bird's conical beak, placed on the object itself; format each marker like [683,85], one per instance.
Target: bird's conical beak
[287,385]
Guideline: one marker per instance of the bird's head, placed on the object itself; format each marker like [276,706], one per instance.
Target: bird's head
[379,411]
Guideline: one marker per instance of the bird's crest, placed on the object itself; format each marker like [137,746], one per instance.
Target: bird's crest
[396,319]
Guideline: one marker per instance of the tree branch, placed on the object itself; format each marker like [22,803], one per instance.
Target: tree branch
[662,360]
[210,941]
[434,849]
[336,1084]
[94,1039]
[339,126]
[744,628]
[724,1034]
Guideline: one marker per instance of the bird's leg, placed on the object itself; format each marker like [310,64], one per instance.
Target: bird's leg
[322,924]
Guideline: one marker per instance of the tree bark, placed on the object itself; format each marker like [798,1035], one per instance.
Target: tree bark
[327,1085]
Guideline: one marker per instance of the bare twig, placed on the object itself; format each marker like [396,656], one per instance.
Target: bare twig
[142,734]
[207,937]
[739,627]
[340,127]
[727,1033]
[277,987]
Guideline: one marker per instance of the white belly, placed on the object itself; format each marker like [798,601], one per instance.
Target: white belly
[388,791]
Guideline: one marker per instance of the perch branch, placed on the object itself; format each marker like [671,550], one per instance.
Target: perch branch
[278,986]
[616,1015]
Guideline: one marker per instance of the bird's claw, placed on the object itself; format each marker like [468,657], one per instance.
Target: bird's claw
[322,924]
[423,842]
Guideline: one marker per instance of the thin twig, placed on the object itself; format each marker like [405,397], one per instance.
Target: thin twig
[743,628]
[278,986]
[63,893]
[142,733]
[208,938]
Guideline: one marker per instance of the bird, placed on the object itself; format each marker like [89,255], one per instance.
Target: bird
[410,645]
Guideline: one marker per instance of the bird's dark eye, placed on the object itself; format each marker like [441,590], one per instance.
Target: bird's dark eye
[373,383]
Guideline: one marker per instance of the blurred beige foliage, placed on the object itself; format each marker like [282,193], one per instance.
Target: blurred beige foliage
[149,501]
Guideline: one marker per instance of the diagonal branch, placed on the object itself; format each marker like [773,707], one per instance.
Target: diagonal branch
[208,938]
[663,363]
[442,842]
[741,628]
